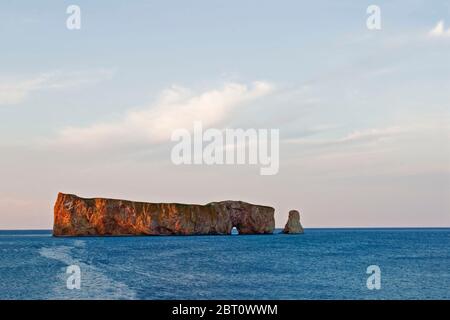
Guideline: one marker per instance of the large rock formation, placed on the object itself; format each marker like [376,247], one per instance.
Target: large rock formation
[293,225]
[75,216]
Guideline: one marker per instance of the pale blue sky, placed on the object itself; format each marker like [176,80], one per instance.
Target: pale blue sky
[363,115]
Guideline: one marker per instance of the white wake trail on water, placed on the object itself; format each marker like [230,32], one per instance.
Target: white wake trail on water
[95,283]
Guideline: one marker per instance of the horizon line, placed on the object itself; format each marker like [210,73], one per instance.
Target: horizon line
[305,228]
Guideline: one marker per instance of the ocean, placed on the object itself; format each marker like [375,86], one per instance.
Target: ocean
[319,264]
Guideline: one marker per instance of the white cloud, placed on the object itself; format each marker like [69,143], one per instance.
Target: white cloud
[176,108]
[355,137]
[439,30]
[371,134]
[16,91]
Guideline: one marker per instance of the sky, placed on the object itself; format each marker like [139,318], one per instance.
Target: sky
[363,114]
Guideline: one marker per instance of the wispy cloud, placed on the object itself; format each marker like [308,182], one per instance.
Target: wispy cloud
[439,30]
[371,134]
[177,107]
[354,137]
[409,148]
[16,91]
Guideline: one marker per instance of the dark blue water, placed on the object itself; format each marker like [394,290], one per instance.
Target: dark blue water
[321,264]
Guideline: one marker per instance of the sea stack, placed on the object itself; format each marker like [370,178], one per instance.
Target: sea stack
[75,216]
[293,225]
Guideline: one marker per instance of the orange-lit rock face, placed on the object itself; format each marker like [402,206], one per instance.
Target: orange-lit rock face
[75,216]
